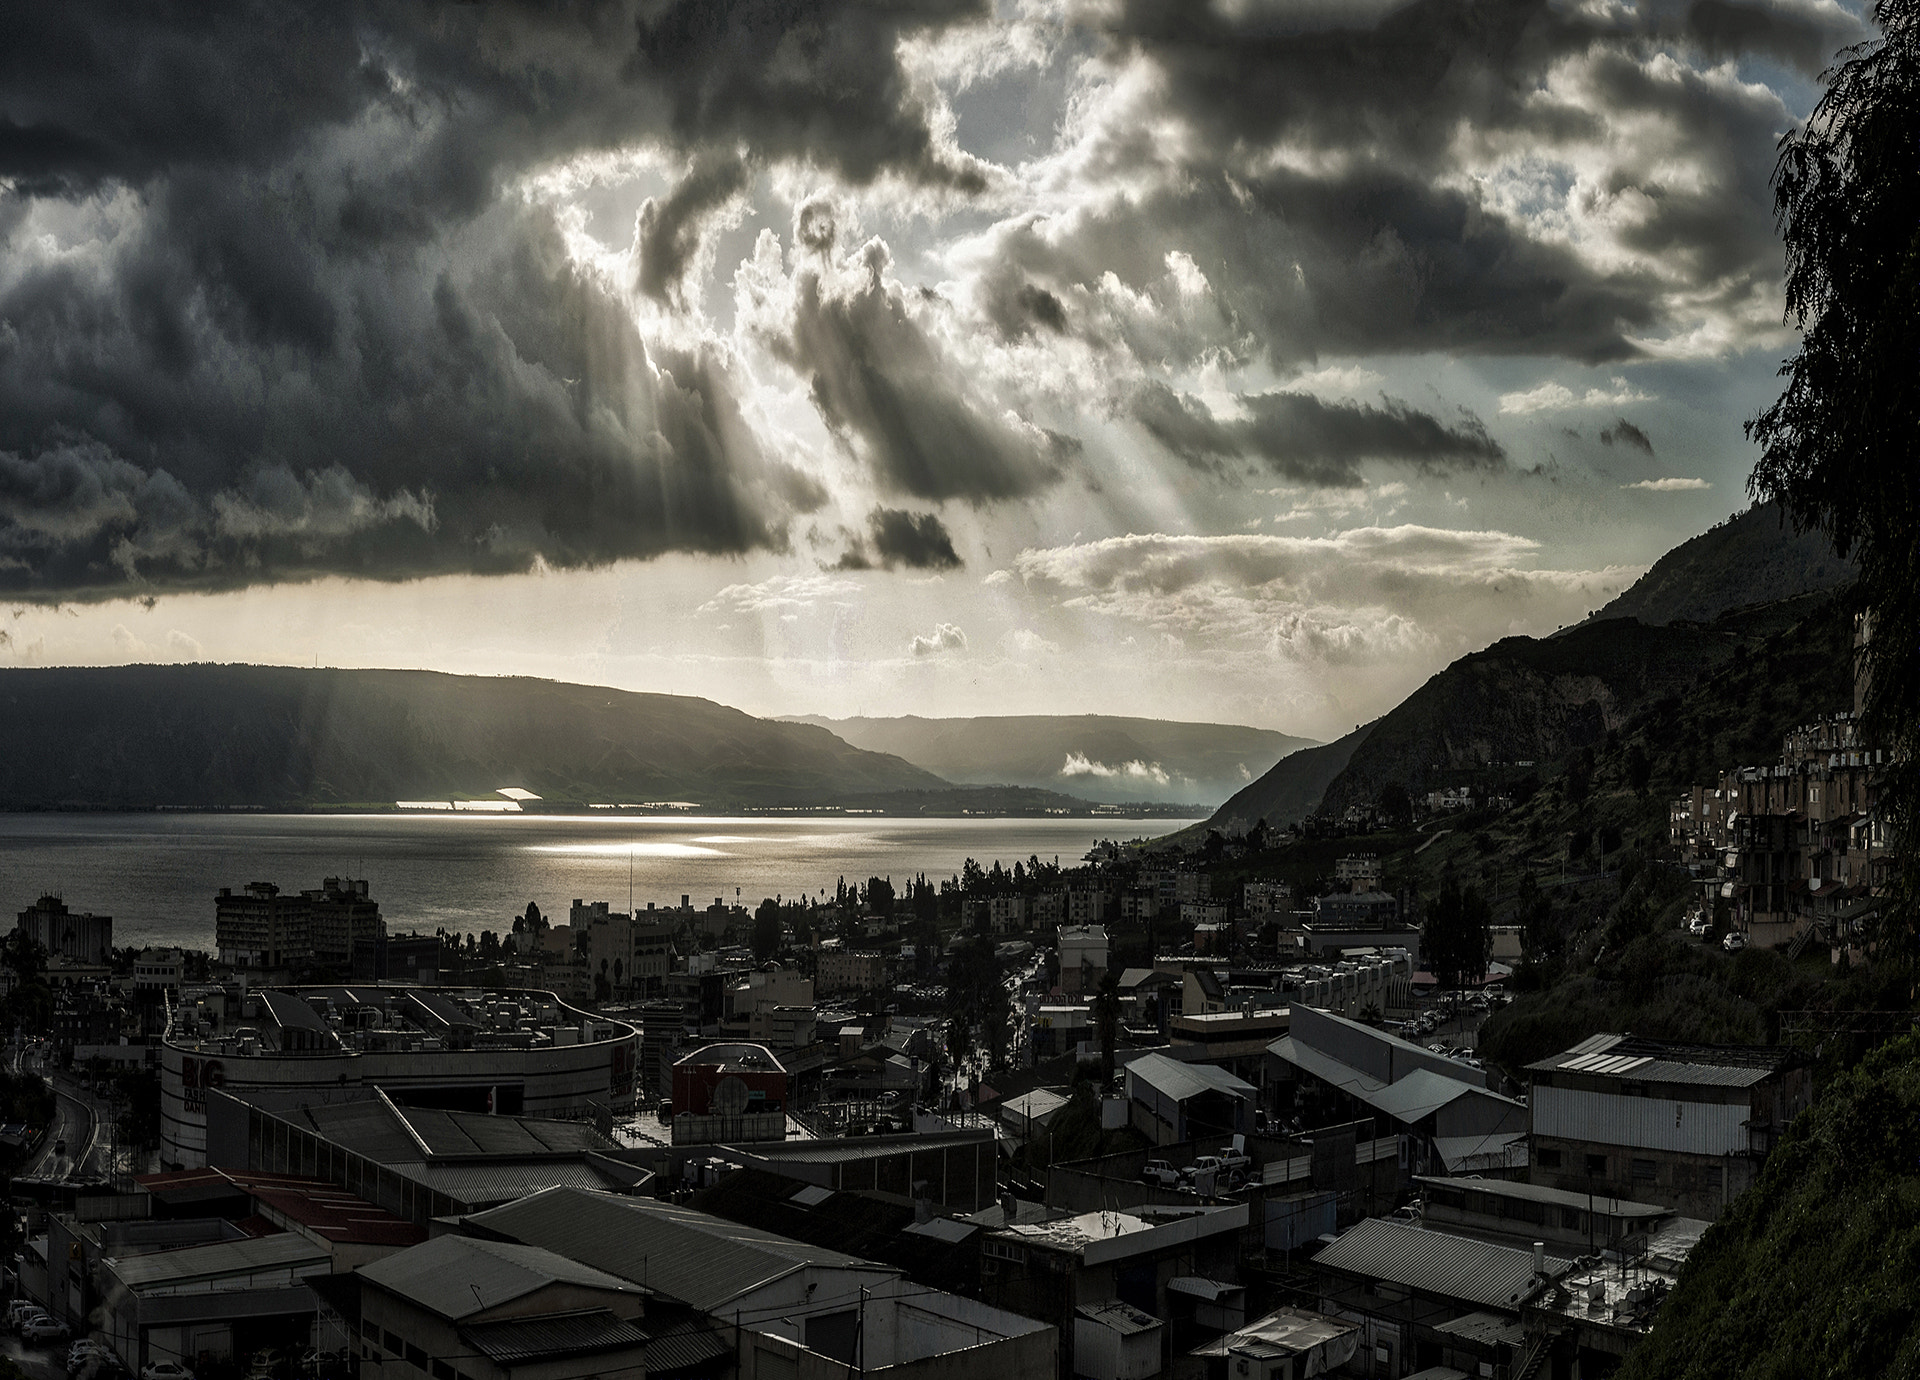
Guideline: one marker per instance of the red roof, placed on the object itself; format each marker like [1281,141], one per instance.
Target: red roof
[286,1200]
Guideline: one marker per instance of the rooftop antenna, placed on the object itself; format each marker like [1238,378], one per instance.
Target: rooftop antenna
[629,879]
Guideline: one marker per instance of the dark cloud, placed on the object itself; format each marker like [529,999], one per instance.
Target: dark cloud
[1182,425]
[1373,234]
[1627,434]
[486,421]
[893,395]
[918,540]
[1313,441]
[799,78]
[302,321]
[1806,39]
[667,235]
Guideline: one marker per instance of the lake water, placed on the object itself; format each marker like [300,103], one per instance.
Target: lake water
[156,874]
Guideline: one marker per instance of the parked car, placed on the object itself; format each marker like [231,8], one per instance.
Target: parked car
[1160,1174]
[1734,942]
[166,1370]
[45,1329]
[19,1311]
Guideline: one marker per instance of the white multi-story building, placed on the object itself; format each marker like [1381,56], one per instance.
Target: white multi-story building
[1083,957]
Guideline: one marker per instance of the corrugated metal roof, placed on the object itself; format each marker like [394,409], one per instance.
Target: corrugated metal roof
[458,1276]
[283,1250]
[581,1333]
[1181,1081]
[687,1348]
[1433,1262]
[1558,1197]
[1420,1094]
[698,1259]
[1324,1067]
[1120,1317]
[1659,1061]
[1487,1329]
[860,1148]
[483,1184]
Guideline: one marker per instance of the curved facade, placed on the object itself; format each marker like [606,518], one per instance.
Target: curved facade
[520,1052]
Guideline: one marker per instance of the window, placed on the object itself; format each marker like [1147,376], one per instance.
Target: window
[1597,1164]
[392,1342]
[1570,1218]
[1714,1176]
[442,1371]
[416,1357]
[1645,1170]
[369,1329]
[1547,1159]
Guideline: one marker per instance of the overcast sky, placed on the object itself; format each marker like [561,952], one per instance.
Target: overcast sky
[1245,361]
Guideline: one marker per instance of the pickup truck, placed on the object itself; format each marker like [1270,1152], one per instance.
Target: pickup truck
[1160,1174]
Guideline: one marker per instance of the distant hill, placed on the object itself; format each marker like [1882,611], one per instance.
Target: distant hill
[1094,756]
[1754,558]
[1292,790]
[138,736]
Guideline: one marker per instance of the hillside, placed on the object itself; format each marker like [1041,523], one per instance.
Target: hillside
[1811,1271]
[1753,558]
[199,736]
[1534,700]
[1094,756]
[1292,790]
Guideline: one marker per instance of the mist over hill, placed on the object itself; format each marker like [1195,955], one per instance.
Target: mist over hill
[1094,756]
[135,737]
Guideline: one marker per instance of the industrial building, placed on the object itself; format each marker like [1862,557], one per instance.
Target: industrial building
[419,1163]
[784,1308]
[517,1052]
[1687,1126]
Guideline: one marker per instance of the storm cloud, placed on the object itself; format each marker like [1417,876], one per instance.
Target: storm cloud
[1311,440]
[275,304]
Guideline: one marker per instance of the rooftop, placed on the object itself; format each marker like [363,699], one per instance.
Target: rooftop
[171,1270]
[459,1276]
[1554,1197]
[693,1257]
[314,1206]
[1182,1081]
[1123,1318]
[1658,1061]
[584,1332]
[389,1018]
[1433,1262]
[1289,1332]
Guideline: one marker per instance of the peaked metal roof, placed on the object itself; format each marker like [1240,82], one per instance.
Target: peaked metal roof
[221,1259]
[459,1276]
[581,1333]
[1182,1081]
[1432,1262]
[676,1252]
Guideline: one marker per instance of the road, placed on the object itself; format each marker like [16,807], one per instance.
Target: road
[76,1124]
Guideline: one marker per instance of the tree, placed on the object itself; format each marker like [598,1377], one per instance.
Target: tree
[1837,447]
[1106,1011]
[1395,805]
[766,930]
[24,954]
[1457,939]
